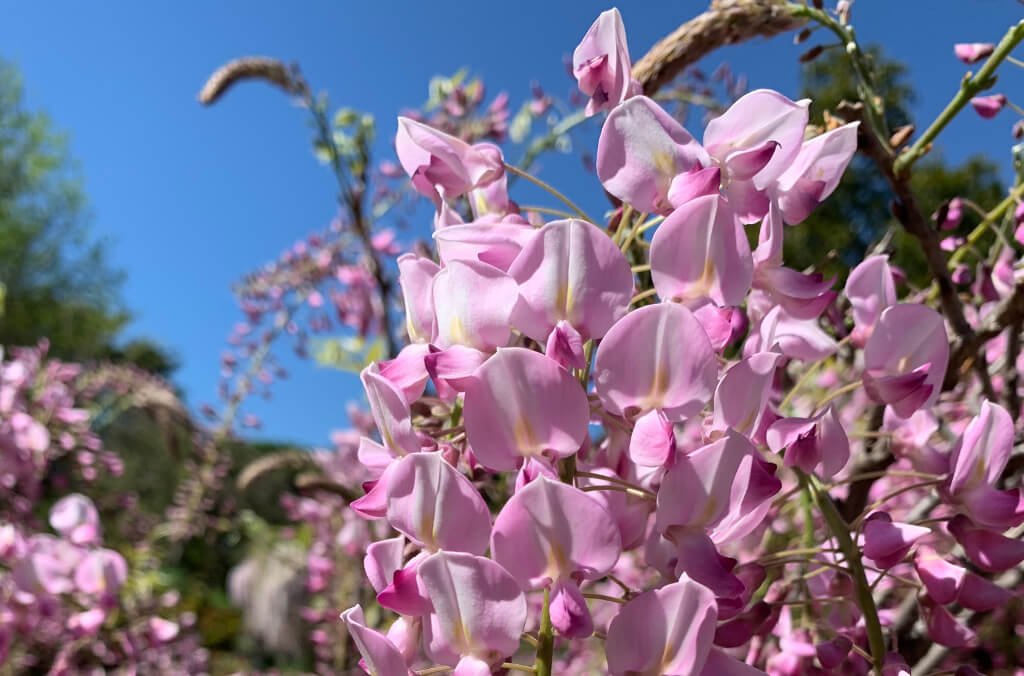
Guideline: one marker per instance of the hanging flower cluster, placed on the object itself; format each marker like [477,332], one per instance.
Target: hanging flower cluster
[563,461]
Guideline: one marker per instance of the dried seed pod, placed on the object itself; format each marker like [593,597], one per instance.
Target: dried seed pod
[263,68]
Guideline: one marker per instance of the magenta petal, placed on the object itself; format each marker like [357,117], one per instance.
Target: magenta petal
[943,627]
[570,615]
[887,542]
[436,506]
[941,578]
[381,656]
[744,164]
[988,106]
[656,357]
[701,251]
[479,610]
[572,271]
[453,367]
[905,392]
[552,531]
[653,442]
[641,150]
[522,404]
[719,663]
[833,653]
[407,371]
[664,631]
[699,558]
[405,594]
[982,595]
[741,628]
[693,184]
[993,508]
[801,296]
[717,322]
[986,549]
[565,346]
[374,504]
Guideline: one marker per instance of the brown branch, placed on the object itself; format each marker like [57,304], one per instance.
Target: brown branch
[727,22]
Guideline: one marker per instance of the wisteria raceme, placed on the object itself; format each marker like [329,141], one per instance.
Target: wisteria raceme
[627,442]
[638,444]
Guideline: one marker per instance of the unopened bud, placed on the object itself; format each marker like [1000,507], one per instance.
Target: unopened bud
[901,136]
[811,54]
[802,36]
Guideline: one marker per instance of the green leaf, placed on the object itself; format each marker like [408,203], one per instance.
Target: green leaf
[348,353]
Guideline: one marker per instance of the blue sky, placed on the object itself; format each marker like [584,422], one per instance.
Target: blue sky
[193,198]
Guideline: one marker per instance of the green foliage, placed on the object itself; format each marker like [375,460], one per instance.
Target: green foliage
[857,215]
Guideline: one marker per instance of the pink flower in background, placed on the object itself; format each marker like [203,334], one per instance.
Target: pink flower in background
[601,64]
[988,106]
[972,52]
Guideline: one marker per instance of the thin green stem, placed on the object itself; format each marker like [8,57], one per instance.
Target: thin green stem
[642,295]
[545,639]
[969,87]
[545,186]
[845,389]
[872,625]
[615,480]
[518,667]
[604,597]
[549,211]
[646,495]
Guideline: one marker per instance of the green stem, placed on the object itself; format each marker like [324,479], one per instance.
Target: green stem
[969,87]
[834,519]
[541,184]
[545,639]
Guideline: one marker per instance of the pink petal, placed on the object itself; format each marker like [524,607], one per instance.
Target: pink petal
[601,63]
[664,631]
[521,404]
[415,275]
[701,251]
[692,184]
[570,615]
[972,52]
[741,397]
[444,162]
[815,172]
[382,559]
[381,655]
[390,411]
[871,290]
[570,271]
[753,120]
[479,609]
[641,150]
[943,627]
[986,549]
[407,371]
[653,442]
[565,346]
[983,450]
[453,367]
[494,242]
[69,514]
[436,506]
[941,578]
[473,302]
[656,357]
[549,531]
[886,542]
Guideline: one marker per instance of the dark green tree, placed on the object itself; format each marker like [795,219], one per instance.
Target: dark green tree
[857,214]
[57,281]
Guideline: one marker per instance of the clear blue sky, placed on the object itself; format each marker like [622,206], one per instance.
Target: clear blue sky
[193,198]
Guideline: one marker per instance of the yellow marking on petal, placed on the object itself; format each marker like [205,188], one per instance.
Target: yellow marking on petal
[457,332]
[665,163]
[558,562]
[526,438]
